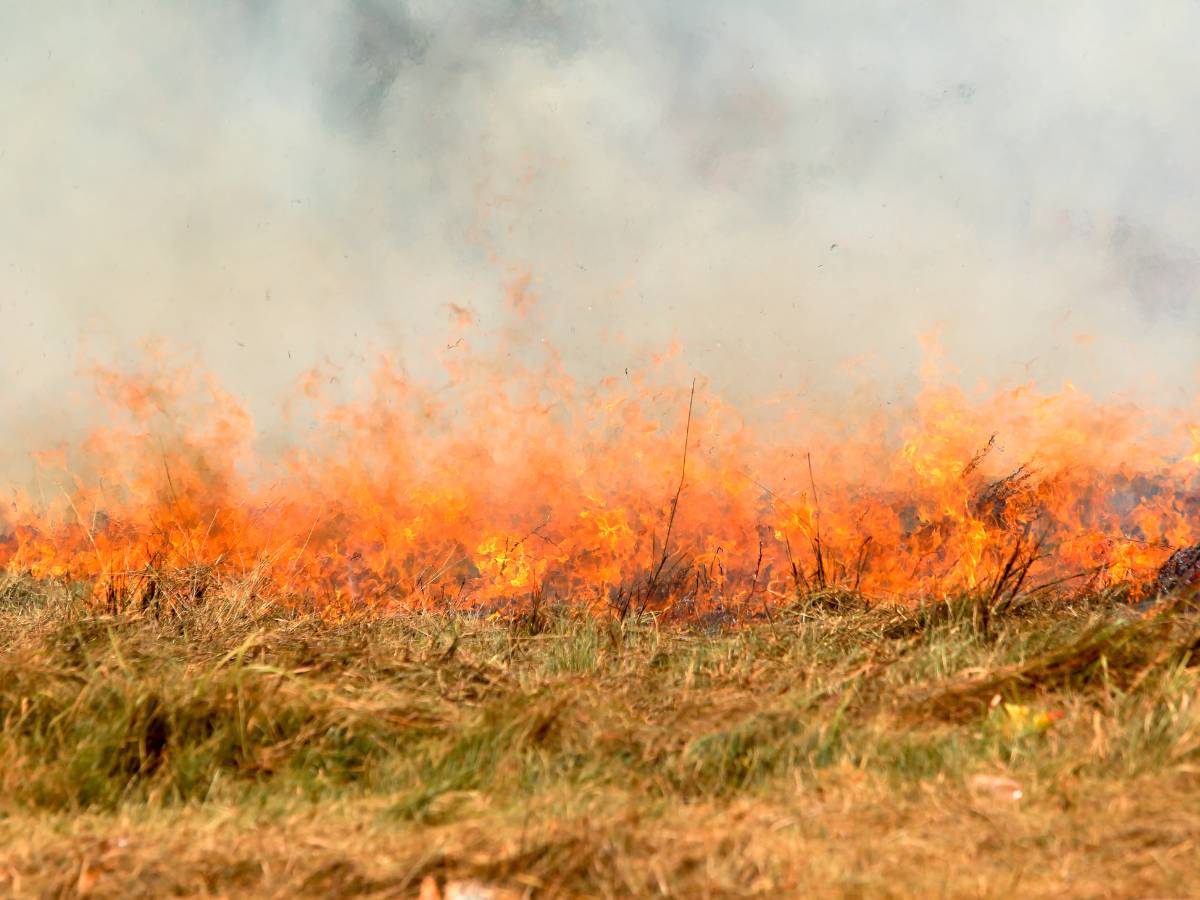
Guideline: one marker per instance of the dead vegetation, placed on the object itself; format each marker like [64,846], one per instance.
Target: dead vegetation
[203,746]
[1180,572]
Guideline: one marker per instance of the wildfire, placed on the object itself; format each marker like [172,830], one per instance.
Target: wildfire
[517,483]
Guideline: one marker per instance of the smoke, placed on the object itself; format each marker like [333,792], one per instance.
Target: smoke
[782,187]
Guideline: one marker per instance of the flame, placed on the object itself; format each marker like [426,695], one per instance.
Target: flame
[515,482]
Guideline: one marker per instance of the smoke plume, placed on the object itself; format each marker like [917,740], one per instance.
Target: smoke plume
[795,192]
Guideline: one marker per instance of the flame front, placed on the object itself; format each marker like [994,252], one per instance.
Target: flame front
[517,483]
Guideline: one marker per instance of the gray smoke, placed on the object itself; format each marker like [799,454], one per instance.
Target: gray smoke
[781,186]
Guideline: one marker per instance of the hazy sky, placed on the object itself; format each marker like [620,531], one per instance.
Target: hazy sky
[781,186]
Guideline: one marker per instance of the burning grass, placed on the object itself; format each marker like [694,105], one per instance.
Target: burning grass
[505,484]
[838,748]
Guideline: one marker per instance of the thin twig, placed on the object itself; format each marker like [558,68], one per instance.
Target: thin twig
[175,503]
[757,569]
[979,457]
[798,576]
[1003,577]
[687,432]
[86,530]
[817,540]
[862,561]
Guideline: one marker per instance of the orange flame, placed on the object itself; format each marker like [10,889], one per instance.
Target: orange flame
[516,482]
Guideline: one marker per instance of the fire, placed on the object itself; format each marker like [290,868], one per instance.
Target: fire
[516,483]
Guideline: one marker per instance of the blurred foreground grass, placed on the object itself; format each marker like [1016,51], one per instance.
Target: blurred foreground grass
[834,750]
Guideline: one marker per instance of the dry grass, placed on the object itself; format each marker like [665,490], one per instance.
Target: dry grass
[834,750]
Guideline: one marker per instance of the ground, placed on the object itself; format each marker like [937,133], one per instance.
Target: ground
[834,749]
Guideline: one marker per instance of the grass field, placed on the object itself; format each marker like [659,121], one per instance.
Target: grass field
[834,750]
